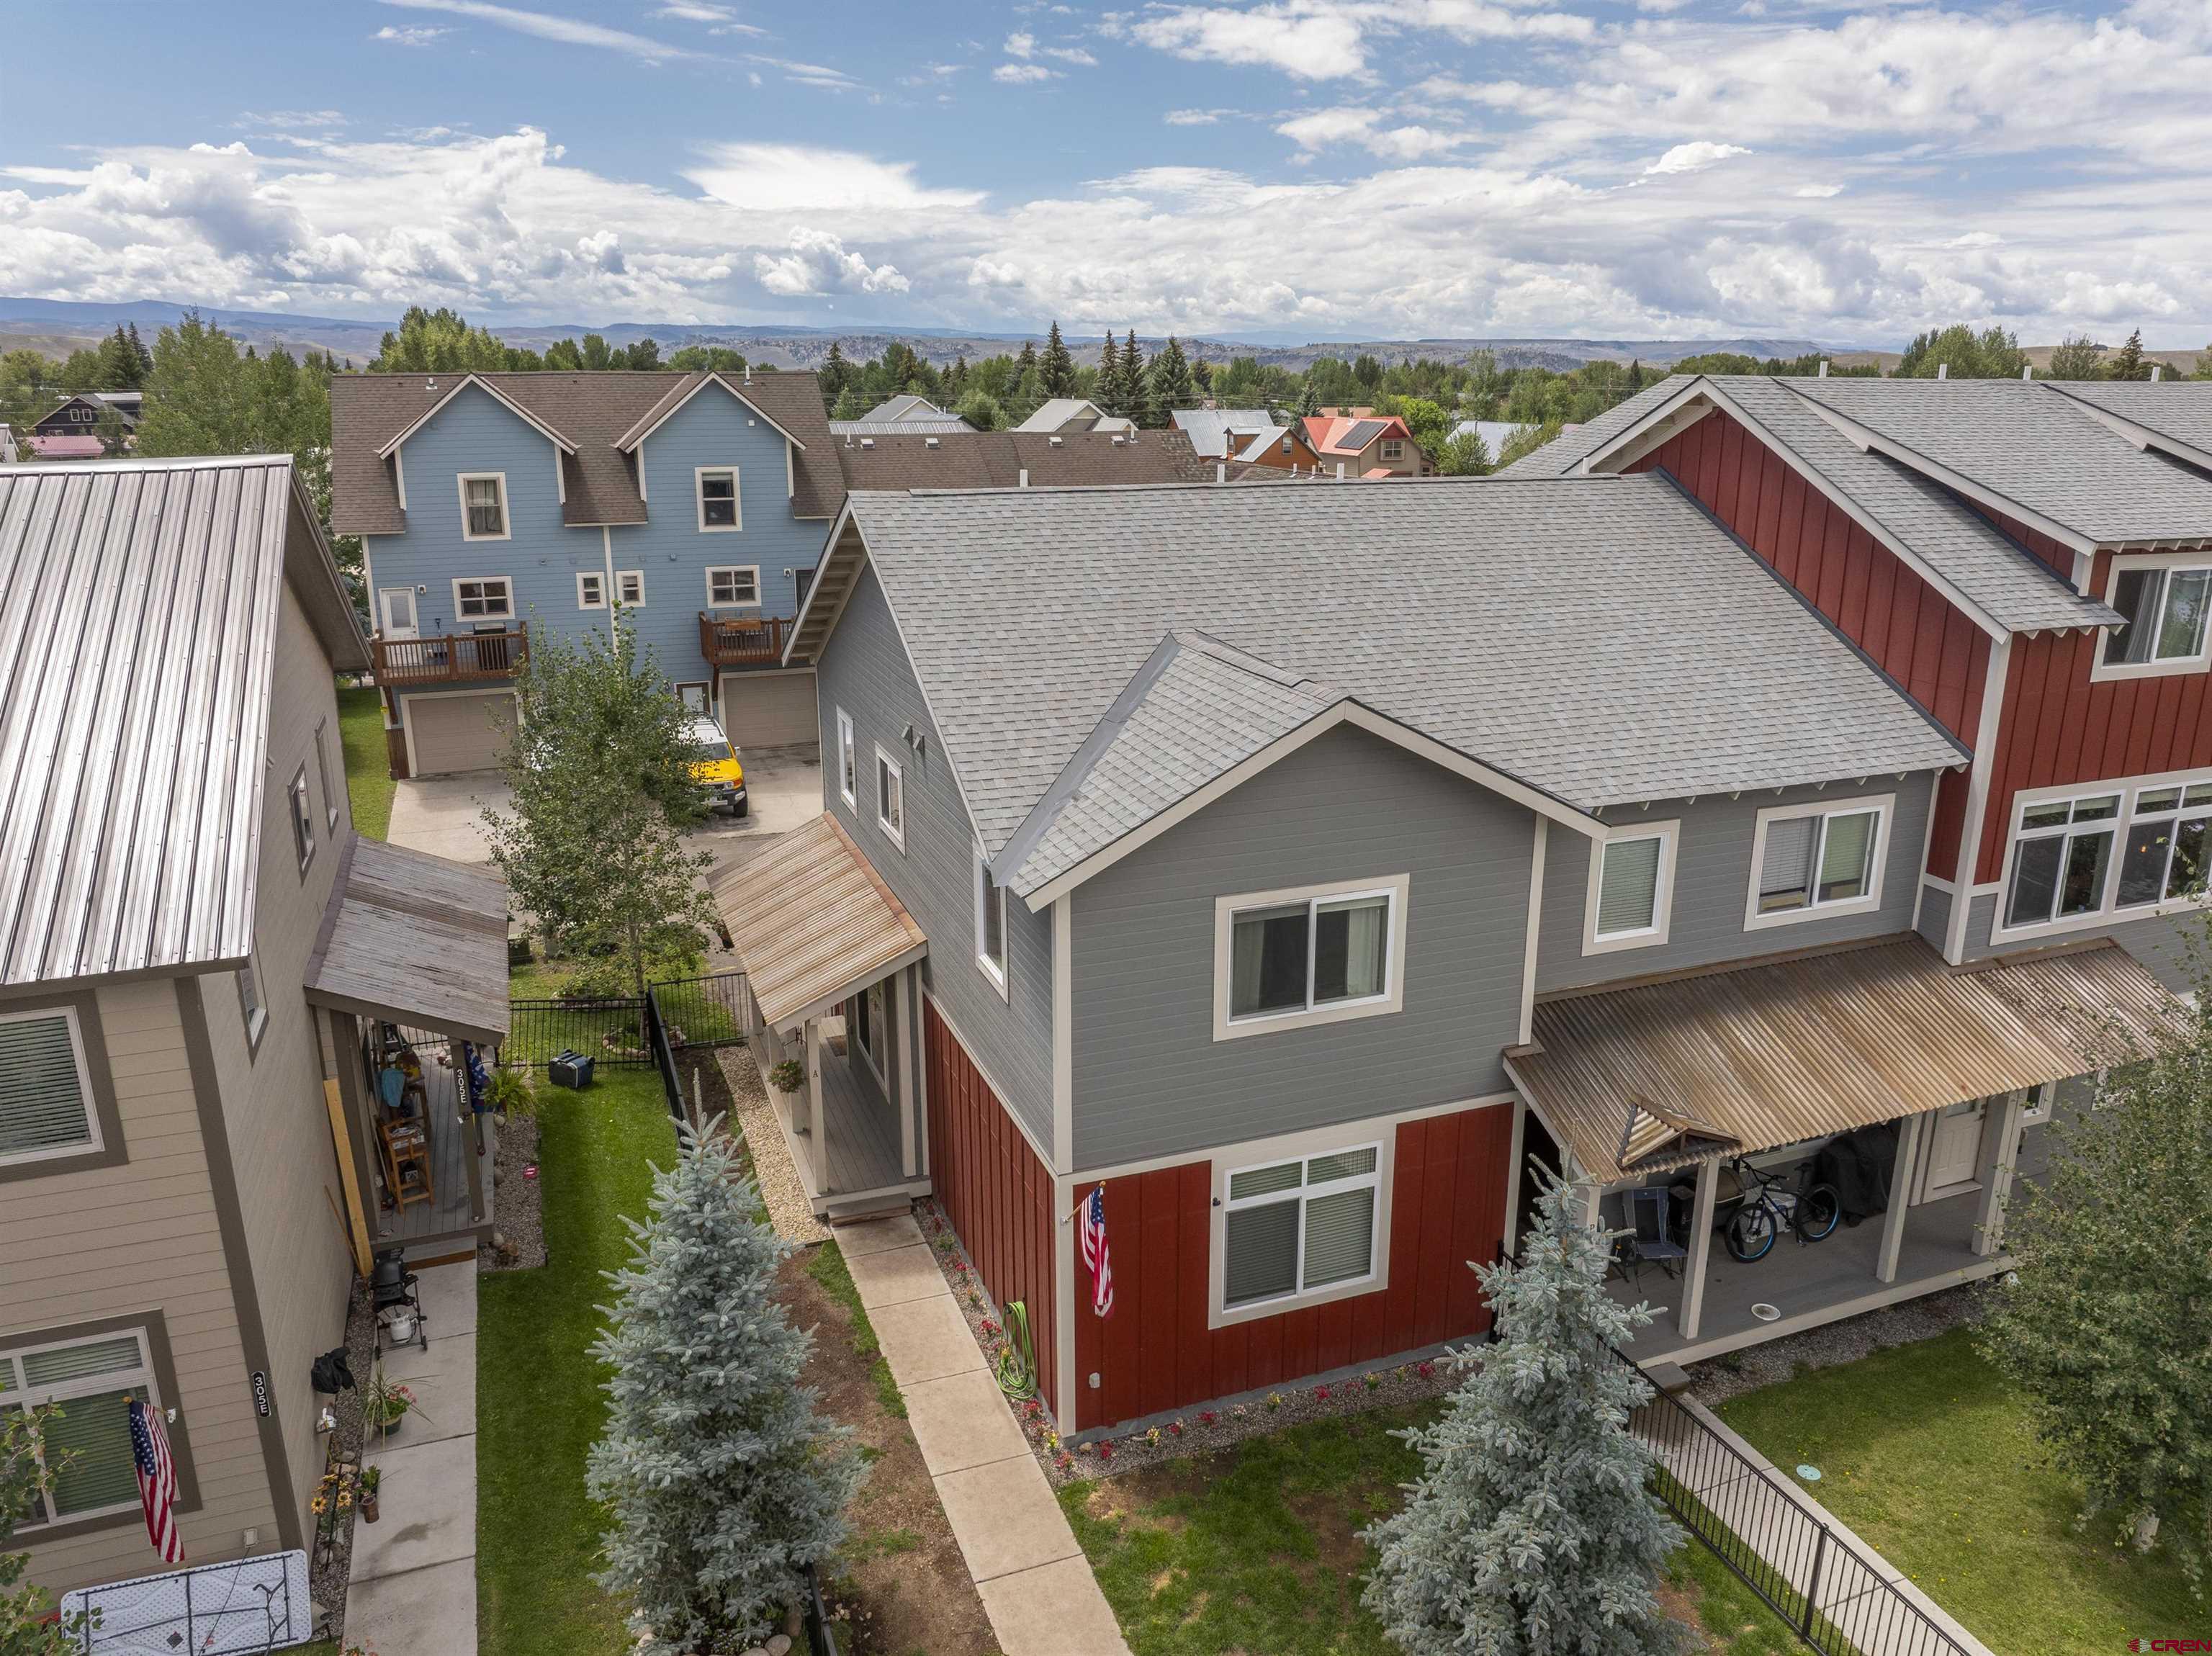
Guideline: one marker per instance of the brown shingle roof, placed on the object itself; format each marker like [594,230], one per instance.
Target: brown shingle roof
[996,459]
[591,410]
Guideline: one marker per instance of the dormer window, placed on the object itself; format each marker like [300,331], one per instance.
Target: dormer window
[483,505]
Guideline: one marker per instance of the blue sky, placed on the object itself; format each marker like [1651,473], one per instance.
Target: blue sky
[1287,169]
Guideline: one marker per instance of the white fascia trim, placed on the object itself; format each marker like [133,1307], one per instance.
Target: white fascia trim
[1063,1033]
[1616,451]
[1248,1149]
[1873,442]
[1977,793]
[1346,711]
[638,433]
[1529,940]
[497,396]
[2142,436]
[831,549]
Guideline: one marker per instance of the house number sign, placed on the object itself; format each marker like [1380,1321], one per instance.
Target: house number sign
[261,1394]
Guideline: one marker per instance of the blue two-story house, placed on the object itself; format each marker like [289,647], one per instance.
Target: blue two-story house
[490,505]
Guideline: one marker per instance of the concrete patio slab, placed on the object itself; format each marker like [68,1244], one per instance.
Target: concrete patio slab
[926,1339]
[875,1235]
[1054,1610]
[432,1609]
[962,1421]
[443,814]
[428,1496]
[444,1382]
[448,1294]
[895,1276]
[1005,1517]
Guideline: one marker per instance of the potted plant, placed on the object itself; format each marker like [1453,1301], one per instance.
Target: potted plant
[509,1094]
[788,1076]
[386,1402]
[370,1477]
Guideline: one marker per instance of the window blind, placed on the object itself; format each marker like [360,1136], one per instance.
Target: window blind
[44,1370]
[1628,886]
[1262,1254]
[44,1104]
[92,1434]
[1785,874]
[1340,1236]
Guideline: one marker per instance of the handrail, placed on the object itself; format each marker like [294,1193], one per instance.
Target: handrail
[735,641]
[445,656]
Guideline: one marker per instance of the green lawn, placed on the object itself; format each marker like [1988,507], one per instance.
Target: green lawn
[368,766]
[1929,1455]
[538,1404]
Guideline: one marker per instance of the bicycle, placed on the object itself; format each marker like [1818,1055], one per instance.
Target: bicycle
[1767,1206]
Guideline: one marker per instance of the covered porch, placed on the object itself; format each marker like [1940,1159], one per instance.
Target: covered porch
[1919,1090]
[832,964]
[410,974]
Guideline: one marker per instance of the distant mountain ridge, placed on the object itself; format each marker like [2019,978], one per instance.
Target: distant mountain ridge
[791,346]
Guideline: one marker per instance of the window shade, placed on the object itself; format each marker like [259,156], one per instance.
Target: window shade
[1339,1237]
[1785,875]
[92,1435]
[43,1370]
[43,1100]
[1349,938]
[1345,1164]
[1262,1181]
[1262,1253]
[1628,886]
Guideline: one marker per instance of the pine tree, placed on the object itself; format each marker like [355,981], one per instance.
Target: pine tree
[1136,384]
[1531,1530]
[721,1480]
[1108,393]
[2128,361]
[835,372]
[1308,400]
[1057,367]
[1026,361]
[1172,387]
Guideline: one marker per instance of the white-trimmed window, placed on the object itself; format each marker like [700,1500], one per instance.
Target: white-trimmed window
[630,588]
[720,511]
[95,1379]
[1814,861]
[1308,955]
[46,1088]
[1631,887]
[2124,850]
[1300,1227]
[591,590]
[2165,606]
[734,586]
[848,762]
[483,505]
[303,818]
[890,798]
[990,925]
[697,697]
[323,771]
[484,598]
[1394,448]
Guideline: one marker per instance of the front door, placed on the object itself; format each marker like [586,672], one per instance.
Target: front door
[398,607]
[1954,1149]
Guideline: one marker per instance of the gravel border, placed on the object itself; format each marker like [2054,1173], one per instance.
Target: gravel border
[518,1211]
[330,1569]
[1717,1379]
[1198,1430]
[788,1210]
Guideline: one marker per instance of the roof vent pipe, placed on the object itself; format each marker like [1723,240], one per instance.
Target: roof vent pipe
[2157,372]
[749,373]
[1339,471]
[1824,367]
[2027,370]
[1221,471]
[1942,370]
[1025,477]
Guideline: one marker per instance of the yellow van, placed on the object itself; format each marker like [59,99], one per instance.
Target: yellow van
[716,766]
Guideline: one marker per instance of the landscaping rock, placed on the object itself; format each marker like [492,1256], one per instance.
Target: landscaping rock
[1714,1381]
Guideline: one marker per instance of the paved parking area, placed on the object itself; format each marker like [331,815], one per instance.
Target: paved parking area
[444,814]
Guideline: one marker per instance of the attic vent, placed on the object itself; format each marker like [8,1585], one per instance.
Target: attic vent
[1118,440]
[867,442]
[929,442]
[430,383]
[1057,442]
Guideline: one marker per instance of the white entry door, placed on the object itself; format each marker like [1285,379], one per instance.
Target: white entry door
[1953,1163]
[396,605]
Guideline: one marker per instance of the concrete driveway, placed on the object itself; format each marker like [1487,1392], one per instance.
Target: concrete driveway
[444,814]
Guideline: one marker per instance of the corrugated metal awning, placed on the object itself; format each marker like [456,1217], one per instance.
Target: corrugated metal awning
[415,939]
[1655,1077]
[813,921]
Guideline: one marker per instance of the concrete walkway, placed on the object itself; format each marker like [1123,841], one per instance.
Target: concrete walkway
[414,1586]
[444,814]
[1036,1585]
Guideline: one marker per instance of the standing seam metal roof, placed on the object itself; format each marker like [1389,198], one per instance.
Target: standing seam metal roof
[138,613]
[1599,640]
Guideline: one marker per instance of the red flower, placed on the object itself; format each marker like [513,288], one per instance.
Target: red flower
[1207,1417]
[1321,1391]
[1176,1426]
[1427,1370]
[1105,1451]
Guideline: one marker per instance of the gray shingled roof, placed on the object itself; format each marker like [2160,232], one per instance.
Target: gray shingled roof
[1993,573]
[138,612]
[1600,639]
[997,460]
[2179,410]
[591,410]
[2034,448]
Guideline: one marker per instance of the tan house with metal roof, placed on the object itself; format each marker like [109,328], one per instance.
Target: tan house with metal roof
[197,955]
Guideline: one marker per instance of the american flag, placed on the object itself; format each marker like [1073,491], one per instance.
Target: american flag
[157,1481]
[1092,1230]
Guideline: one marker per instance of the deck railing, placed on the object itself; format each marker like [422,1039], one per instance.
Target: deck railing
[750,641]
[451,656]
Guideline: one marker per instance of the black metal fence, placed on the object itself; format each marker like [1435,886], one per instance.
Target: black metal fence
[708,1011]
[611,1031]
[820,1640]
[1834,1597]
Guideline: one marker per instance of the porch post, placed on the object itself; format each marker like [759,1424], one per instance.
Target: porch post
[479,1206]
[1999,1149]
[901,996]
[1701,1247]
[817,1151]
[1901,1193]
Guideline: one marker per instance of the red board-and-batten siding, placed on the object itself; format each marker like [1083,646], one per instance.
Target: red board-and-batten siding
[992,1186]
[1156,1353]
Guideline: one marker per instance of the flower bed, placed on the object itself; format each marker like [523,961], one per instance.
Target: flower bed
[1198,1430]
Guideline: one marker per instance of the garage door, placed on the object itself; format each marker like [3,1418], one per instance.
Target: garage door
[769,709]
[459,732]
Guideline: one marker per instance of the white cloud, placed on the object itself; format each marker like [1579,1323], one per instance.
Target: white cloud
[1326,129]
[817,262]
[1021,44]
[408,36]
[1192,117]
[1310,44]
[1023,74]
[292,120]
[1817,191]
[1693,157]
[545,26]
[772,178]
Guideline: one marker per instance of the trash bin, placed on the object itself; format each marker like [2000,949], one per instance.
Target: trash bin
[569,1069]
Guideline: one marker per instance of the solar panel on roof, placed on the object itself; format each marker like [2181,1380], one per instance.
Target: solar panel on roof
[1363,433]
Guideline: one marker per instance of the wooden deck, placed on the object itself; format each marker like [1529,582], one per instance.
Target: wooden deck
[451,1216]
[861,1130]
[1818,1283]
